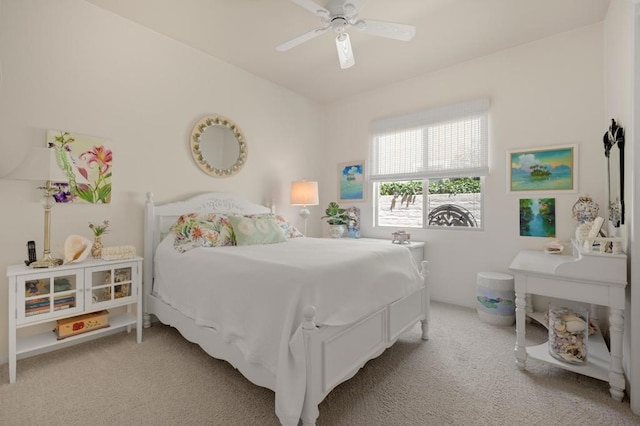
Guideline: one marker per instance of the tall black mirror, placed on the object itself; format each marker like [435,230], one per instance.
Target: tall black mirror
[613,141]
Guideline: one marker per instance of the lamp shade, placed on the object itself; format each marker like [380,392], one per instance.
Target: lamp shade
[39,164]
[304,193]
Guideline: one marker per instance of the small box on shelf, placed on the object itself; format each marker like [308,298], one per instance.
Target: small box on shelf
[81,324]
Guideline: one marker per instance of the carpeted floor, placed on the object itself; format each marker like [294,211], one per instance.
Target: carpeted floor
[464,375]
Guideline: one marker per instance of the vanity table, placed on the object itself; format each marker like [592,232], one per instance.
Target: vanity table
[588,277]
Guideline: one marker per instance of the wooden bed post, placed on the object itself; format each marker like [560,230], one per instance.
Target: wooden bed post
[310,410]
[149,244]
[427,300]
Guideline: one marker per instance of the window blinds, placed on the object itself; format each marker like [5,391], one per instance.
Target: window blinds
[449,141]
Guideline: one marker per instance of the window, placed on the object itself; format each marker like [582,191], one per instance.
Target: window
[444,150]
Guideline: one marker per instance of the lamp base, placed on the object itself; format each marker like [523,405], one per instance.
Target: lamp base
[46,262]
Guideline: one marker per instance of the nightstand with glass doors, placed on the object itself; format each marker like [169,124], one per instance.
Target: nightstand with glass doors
[40,296]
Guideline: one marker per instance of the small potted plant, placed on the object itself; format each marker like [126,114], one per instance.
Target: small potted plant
[337,218]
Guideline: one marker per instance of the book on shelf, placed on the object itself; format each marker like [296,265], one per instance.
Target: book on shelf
[36,311]
[45,302]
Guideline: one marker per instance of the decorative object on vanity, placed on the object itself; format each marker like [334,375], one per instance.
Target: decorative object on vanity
[568,333]
[351,181]
[543,169]
[76,248]
[304,193]
[585,209]
[118,252]
[87,163]
[337,218]
[538,217]
[401,237]
[40,164]
[554,247]
[614,137]
[98,231]
[218,146]
[340,15]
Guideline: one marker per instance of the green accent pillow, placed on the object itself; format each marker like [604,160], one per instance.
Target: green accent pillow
[256,230]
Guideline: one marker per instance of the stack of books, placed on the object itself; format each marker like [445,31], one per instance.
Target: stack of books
[43,305]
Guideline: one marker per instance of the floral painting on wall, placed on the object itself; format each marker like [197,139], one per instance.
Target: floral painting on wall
[538,217]
[87,162]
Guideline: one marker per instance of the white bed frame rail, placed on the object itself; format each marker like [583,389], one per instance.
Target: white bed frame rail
[334,354]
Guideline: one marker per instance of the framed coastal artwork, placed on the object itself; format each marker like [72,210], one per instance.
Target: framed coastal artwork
[87,162]
[538,217]
[351,181]
[543,169]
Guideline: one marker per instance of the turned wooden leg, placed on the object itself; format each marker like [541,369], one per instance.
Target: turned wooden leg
[425,329]
[616,374]
[520,349]
[309,415]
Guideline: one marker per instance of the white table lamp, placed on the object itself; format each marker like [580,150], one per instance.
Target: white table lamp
[304,193]
[40,164]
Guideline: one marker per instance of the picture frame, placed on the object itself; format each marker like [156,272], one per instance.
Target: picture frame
[545,169]
[351,181]
[88,163]
[537,217]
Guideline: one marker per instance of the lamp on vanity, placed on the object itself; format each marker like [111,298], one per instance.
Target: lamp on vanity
[304,193]
[40,164]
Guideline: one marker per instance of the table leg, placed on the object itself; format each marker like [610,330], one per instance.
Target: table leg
[521,317]
[616,375]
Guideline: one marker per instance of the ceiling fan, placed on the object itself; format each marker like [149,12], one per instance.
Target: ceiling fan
[339,15]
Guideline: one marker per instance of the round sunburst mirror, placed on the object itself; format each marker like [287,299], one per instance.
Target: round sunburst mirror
[218,146]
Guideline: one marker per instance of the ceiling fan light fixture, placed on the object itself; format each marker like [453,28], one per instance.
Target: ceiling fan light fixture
[345,53]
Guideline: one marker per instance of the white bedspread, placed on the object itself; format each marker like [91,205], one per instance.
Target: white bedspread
[254,296]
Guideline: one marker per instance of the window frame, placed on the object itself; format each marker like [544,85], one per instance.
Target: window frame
[425,210]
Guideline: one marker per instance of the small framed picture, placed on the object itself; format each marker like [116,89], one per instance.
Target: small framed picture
[543,169]
[351,181]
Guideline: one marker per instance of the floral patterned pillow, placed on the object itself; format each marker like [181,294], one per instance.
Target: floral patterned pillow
[202,230]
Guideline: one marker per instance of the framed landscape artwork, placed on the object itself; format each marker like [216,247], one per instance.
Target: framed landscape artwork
[543,169]
[351,182]
[538,217]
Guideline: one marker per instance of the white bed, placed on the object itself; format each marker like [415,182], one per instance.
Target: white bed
[294,317]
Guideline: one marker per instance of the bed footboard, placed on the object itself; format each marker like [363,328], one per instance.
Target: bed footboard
[335,354]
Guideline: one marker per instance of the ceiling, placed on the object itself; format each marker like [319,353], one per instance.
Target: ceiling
[245,33]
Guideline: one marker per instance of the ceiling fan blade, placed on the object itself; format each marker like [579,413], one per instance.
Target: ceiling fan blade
[300,39]
[345,52]
[386,29]
[353,7]
[312,7]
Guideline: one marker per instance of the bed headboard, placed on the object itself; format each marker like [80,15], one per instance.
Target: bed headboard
[158,219]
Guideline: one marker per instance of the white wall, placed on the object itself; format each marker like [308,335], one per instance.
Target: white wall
[619,85]
[545,93]
[69,65]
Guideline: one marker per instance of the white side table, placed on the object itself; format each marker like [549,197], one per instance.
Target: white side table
[416,247]
[591,278]
[38,296]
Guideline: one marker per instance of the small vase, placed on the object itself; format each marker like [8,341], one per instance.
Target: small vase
[96,249]
[336,231]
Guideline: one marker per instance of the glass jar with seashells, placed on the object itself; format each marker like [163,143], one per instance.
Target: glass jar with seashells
[568,332]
